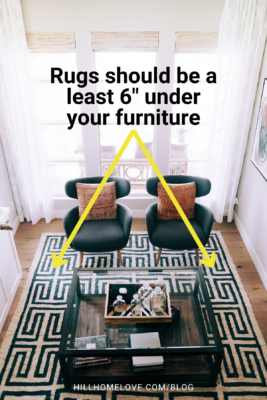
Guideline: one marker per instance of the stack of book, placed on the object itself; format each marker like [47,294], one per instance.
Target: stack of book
[149,341]
[87,343]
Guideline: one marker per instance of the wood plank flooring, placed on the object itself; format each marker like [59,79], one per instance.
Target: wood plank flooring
[28,235]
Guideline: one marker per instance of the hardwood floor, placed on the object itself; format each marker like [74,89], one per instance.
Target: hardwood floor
[28,235]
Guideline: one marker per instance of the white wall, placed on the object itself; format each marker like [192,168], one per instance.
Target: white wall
[251,214]
[85,16]
[6,196]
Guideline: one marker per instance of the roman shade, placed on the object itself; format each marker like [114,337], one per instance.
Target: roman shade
[51,41]
[125,41]
[196,42]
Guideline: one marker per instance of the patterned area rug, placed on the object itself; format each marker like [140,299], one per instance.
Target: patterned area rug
[28,356]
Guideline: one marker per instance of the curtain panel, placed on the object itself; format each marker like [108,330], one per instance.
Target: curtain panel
[241,44]
[19,125]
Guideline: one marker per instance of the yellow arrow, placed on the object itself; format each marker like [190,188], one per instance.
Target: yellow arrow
[58,261]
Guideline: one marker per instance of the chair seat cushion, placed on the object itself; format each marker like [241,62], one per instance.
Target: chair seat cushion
[95,236]
[174,235]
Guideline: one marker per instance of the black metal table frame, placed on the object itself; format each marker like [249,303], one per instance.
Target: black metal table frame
[214,352]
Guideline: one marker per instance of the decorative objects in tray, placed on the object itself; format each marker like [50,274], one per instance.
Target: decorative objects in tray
[138,302]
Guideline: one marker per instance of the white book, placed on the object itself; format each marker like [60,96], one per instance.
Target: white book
[146,341]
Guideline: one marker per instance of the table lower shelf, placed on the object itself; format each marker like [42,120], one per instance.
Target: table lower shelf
[174,367]
[187,330]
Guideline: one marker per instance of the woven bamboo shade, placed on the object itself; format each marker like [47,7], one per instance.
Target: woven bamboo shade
[51,41]
[125,41]
[196,42]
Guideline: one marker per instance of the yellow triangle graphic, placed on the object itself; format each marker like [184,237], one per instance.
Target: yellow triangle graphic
[208,260]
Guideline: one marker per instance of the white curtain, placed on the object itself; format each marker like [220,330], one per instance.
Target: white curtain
[241,43]
[19,125]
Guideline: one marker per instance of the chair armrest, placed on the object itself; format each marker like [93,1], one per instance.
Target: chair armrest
[70,219]
[205,217]
[125,217]
[151,216]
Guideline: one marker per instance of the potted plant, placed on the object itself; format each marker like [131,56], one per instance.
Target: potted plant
[79,151]
[181,134]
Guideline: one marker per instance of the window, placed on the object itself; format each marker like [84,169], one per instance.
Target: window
[135,51]
[131,51]
[63,147]
[195,51]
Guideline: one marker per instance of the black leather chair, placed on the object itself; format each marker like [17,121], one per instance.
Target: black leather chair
[99,236]
[173,234]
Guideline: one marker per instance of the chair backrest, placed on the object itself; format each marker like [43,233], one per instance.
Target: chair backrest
[179,150]
[203,185]
[108,152]
[123,186]
[139,152]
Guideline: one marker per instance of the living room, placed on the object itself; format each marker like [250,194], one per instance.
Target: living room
[132,157]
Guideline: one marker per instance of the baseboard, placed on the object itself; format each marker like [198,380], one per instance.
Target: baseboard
[251,250]
[60,213]
[139,213]
[136,213]
[15,225]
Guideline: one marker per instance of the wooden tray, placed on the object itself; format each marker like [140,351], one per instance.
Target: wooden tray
[135,319]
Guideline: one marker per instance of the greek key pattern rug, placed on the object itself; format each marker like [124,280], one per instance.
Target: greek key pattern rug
[29,367]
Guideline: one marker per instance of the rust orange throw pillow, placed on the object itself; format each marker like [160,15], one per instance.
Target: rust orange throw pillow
[105,206]
[185,194]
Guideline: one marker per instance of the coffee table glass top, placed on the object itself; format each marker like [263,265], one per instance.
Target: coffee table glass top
[195,328]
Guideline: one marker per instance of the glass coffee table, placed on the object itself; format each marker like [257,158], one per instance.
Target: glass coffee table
[190,345]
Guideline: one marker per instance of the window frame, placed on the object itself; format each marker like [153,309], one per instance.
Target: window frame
[81,43]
